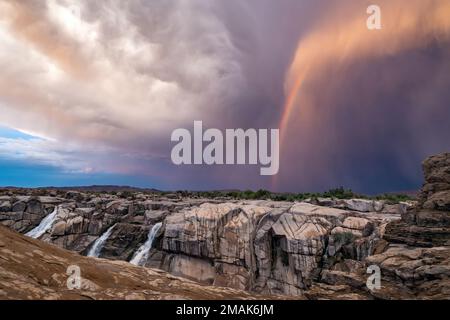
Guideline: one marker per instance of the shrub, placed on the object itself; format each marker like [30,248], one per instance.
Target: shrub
[339,193]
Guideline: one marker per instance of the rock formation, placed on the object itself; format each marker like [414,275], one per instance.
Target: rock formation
[260,246]
[320,248]
[32,269]
[428,224]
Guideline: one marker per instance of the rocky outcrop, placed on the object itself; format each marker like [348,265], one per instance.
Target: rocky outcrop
[34,270]
[289,248]
[413,273]
[212,239]
[363,205]
[264,248]
[320,248]
[414,254]
[261,246]
[416,262]
[23,213]
[428,224]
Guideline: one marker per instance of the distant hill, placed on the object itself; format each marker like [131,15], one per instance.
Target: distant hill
[339,193]
[93,188]
[105,188]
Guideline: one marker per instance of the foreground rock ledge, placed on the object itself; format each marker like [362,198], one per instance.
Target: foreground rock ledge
[32,269]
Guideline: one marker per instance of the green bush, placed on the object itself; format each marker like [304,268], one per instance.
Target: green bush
[337,193]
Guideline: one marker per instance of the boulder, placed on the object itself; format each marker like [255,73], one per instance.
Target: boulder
[360,205]
[331,214]
[341,233]
[398,208]
[19,206]
[77,225]
[363,225]
[5,206]
[438,201]
[351,279]
[437,168]
[59,228]
[34,206]
[193,268]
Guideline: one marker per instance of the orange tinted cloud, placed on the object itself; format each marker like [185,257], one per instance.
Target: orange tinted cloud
[342,37]
[30,23]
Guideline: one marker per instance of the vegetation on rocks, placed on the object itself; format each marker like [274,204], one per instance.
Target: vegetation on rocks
[337,193]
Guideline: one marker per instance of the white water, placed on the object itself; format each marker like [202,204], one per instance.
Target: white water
[44,226]
[141,254]
[99,243]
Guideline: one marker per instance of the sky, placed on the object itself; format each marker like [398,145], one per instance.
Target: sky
[90,91]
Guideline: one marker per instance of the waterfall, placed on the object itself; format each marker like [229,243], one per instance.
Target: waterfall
[141,254]
[99,243]
[44,226]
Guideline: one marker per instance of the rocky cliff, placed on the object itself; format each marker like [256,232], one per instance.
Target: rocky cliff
[428,224]
[32,269]
[319,248]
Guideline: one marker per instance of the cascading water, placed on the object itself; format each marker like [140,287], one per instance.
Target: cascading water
[44,226]
[141,254]
[99,243]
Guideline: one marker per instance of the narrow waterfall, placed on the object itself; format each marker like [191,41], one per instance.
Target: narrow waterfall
[99,243]
[44,226]
[141,255]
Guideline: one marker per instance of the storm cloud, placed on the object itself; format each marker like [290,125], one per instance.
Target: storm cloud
[102,84]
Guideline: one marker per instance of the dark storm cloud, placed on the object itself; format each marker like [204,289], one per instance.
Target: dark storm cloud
[111,84]
[367,104]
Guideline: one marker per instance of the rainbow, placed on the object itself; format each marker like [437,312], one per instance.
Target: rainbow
[337,41]
[289,106]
